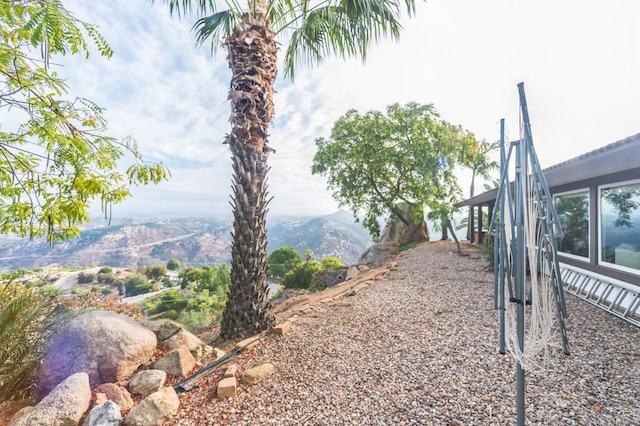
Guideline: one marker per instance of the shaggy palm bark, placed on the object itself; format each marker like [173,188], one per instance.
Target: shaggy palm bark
[252,58]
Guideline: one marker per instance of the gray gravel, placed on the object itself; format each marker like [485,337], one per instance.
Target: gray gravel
[420,347]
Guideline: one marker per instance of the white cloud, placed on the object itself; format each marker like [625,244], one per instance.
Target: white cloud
[579,61]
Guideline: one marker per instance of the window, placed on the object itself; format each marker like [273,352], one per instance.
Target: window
[620,226]
[573,212]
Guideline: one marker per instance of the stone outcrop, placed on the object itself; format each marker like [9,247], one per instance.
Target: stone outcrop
[377,254]
[105,345]
[155,410]
[64,405]
[396,233]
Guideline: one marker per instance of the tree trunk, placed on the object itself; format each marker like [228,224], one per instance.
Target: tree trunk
[252,58]
[444,221]
[453,234]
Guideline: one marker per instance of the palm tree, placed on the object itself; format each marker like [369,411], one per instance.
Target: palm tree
[314,30]
[478,160]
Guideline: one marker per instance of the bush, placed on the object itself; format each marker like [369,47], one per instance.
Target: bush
[106,278]
[106,290]
[95,289]
[105,270]
[332,263]
[27,321]
[303,276]
[136,284]
[171,300]
[86,278]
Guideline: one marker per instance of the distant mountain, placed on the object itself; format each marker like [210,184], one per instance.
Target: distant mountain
[193,241]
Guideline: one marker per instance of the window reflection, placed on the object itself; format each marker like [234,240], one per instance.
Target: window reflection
[620,225]
[573,212]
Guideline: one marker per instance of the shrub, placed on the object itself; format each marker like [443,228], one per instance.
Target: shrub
[106,290]
[171,300]
[136,284]
[303,275]
[332,263]
[95,289]
[106,278]
[105,270]
[86,278]
[50,290]
[27,321]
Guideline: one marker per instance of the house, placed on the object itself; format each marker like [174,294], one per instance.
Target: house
[597,198]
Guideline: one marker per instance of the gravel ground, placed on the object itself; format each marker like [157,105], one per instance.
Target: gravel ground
[420,347]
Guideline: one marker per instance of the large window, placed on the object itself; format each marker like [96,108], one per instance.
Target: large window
[573,212]
[620,226]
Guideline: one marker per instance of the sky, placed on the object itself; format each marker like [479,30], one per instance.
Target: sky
[579,61]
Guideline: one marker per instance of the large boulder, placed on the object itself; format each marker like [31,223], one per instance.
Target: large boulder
[109,347]
[377,254]
[64,405]
[398,232]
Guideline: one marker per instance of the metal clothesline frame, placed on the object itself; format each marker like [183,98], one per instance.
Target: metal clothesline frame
[510,260]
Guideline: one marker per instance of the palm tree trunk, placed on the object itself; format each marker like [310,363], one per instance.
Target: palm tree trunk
[252,58]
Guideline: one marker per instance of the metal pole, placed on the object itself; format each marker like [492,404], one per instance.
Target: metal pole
[521,247]
[519,272]
[501,241]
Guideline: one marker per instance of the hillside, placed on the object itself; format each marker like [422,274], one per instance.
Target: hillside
[193,241]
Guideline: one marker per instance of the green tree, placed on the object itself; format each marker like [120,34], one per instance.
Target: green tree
[283,260]
[189,276]
[377,160]
[154,272]
[314,31]
[54,155]
[173,265]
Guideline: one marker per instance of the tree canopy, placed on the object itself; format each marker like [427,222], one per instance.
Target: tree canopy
[283,260]
[54,155]
[374,160]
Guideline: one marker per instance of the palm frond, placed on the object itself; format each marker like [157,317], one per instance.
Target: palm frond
[345,28]
[187,7]
[216,27]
